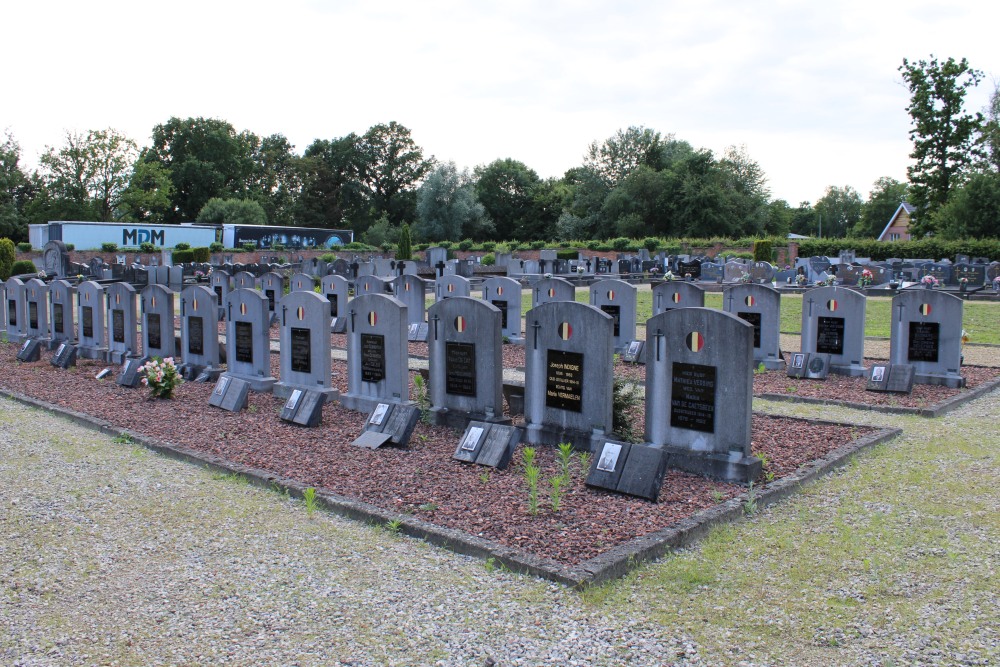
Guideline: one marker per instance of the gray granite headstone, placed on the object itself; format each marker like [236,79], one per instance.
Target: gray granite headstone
[762,272]
[833,322]
[672,294]
[244,280]
[55,259]
[272,286]
[336,288]
[447,287]
[927,333]
[248,352]
[122,319]
[36,310]
[505,294]
[975,274]
[569,352]
[369,285]
[734,270]
[712,272]
[61,294]
[304,320]
[91,328]
[617,298]
[699,388]
[14,310]
[548,290]
[221,283]
[377,353]
[158,322]
[301,282]
[759,305]
[199,333]
[412,291]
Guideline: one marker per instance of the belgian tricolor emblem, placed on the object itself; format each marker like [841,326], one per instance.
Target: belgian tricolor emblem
[925,309]
[611,295]
[750,300]
[243,308]
[460,324]
[500,291]
[552,292]
[300,313]
[831,305]
[372,318]
[695,341]
[565,331]
[676,297]
[451,287]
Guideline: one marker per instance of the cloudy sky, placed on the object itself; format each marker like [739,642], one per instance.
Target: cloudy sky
[811,89]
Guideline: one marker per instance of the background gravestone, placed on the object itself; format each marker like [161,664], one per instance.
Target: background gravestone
[369,285]
[927,333]
[759,305]
[91,331]
[412,291]
[833,322]
[304,318]
[199,333]
[548,290]
[335,288]
[617,299]
[377,353]
[272,286]
[699,389]
[221,283]
[248,350]
[569,359]
[465,362]
[122,322]
[301,282]
[505,294]
[55,259]
[446,287]
[36,310]
[14,309]
[244,280]
[677,294]
[61,294]
[158,322]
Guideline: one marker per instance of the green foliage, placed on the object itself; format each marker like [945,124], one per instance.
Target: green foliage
[201,254]
[329,257]
[23,267]
[147,246]
[216,247]
[488,246]
[536,245]
[651,243]
[750,504]
[183,256]
[309,496]
[7,258]
[884,199]
[218,211]
[465,244]
[626,397]
[404,250]
[381,232]
[621,243]
[422,397]
[567,254]
[763,251]
[933,247]
[182,246]
[249,246]
[973,210]
[489,259]
[531,476]
[506,189]
[24,246]
[837,212]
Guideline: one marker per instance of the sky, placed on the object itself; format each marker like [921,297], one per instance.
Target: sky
[812,90]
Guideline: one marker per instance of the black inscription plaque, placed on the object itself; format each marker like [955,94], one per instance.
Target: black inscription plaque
[615,312]
[332,298]
[692,401]
[118,325]
[57,319]
[372,357]
[301,350]
[564,381]
[32,314]
[196,335]
[460,369]
[153,323]
[244,342]
[924,341]
[218,293]
[830,335]
[502,305]
[12,312]
[87,315]
[754,319]
[270,299]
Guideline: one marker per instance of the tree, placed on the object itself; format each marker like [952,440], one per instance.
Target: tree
[973,210]
[404,248]
[622,153]
[804,219]
[837,211]
[149,195]
[746,186]
[274,181]
[333,194]
[394,167]
[506,190]
[991,130]
[945,138]
[15,188]
[217,211]
[7,257]
[884,199]
[447,208]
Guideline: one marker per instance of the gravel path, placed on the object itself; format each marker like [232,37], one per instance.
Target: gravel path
[110,555]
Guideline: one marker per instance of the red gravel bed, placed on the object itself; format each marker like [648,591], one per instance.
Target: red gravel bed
[422,480]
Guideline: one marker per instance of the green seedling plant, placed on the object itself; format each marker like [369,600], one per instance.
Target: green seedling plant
[765,466]
[556,492]
[531,475]
[750,504]
[584,458]
[394,526]
[565,459]
[484,477]
[309,496]
[423,400]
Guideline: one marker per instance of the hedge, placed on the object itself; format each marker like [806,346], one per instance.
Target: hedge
[22,267]
[931,248]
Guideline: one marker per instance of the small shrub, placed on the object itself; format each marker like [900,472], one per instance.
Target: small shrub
[489,259]
[278,246]
[7,257]
[465,244]
[70,247]
[650,243]
[489,246]
[216,247]
[593,245]
[201,254]
[147,247]
[24,247]
[22,267]
[183,256]
[329,257]
[109,247]
[249,247]
[626,396]
[621,243]
[182,246]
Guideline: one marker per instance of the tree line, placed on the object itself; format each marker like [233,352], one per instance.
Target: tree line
[636,183]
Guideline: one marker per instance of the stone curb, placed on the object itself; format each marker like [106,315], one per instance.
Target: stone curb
[613,564]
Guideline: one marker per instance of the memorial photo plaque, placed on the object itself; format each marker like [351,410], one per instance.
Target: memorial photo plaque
[830,335]
[118,325]
[924,341]
[88,321]
[564,381]
[153,321]
[196,335]
[372,357]
[472,438]
[692,402]
[57,318]
[616,313]
[301,350]
[460,369]
[754,319]
[244,342]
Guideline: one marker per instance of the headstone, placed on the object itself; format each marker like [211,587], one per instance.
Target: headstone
[122,322]
[335,288]
[377,354]
[464,361]
[369,285]
[158,322]
[55,259]
[303,406]
[833,322]
[759,305]
[734,270]
[61,297]
[762,272]
[699,388]
[15,311]
[31,350]
[199,333]
[672,294]
[388,423]
[341,267]
[895,378]
[248,354]
[301,282]
[36,310]
[412,291]
[712,272]
[447,287]
[617,298]
[692,267]
[272,285]
[91,330]
[505,294]
[548,290]
[488,444]
[568,374]
[632,469]
[221,283]
[230,393]
[941,270]
[812,366]
[244,280]
[927,333]
[975,274]
[304,318]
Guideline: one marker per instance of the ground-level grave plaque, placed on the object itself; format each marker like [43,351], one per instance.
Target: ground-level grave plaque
[388,423]
[568,374]
[417,332]
[547,290]
[633,352]
[927,333]
[505,294]
[128,375]
[304,319]
[91,332]
[895,378]
[760,305]
[247,346]
[412,291]
[809,365]
[699,389]
[303,407]
[632,469]
[65,355]
[122,322]
[464,362]
[672,294]
[61,294]
[336,289]
[200,352]
[833,322]
[158,322]
[617,298]
[36,310]
[377,353]
[488,444]
[30,350]
[230,393]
